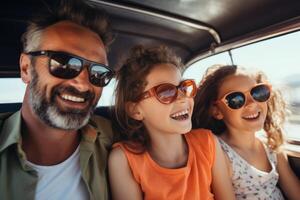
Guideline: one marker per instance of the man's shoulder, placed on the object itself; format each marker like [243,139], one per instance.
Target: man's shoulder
[4,116]
[103,126]
[99,121]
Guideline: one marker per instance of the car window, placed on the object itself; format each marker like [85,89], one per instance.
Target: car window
[279,59]
[197,69]
[12,90]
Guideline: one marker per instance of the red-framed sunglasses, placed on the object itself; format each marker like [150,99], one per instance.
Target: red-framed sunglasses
[167,93]
[236,100]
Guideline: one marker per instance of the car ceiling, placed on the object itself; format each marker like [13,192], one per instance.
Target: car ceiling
[192,28]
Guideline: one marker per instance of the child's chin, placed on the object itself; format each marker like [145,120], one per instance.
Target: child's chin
[256,128]
[186,129]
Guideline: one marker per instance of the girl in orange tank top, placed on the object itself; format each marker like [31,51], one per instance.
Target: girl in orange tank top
[159,156]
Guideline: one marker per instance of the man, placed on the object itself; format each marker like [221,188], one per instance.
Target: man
[53,148]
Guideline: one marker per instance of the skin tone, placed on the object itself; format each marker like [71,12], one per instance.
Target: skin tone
[240,135]
[43,144]
[166,135]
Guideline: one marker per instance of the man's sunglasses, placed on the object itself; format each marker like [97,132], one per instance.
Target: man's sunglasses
[67,66]
[166,93]
[236,100]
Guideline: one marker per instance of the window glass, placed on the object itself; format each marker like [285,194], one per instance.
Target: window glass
[197,69]
[107,97]
[279,59]
[12,90]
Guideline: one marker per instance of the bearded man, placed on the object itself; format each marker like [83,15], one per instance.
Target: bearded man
[54,148]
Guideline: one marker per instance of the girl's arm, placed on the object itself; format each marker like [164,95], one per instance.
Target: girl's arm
[221,181]
[288,181]
[123,186]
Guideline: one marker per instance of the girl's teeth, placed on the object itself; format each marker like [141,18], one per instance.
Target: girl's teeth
[252,116]
[180,113]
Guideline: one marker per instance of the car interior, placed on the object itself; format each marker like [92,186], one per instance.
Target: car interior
[194,29]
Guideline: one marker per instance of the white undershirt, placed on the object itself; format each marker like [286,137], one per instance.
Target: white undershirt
[61,181]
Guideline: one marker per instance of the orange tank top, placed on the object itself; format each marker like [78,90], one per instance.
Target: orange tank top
[192,182]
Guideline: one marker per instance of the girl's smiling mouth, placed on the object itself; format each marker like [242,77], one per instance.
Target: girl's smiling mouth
[181,115]
[252,116]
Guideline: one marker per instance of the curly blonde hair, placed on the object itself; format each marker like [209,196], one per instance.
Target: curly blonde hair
[207,93]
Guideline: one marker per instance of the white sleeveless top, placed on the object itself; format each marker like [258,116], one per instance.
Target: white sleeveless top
[249,182]
[61,181]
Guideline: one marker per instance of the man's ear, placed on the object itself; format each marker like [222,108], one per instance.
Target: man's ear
[25,64]
[133,111]
[216,113]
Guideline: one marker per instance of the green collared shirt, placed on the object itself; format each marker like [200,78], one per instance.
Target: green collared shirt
[19,181]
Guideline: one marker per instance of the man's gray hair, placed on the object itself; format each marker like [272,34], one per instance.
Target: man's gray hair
[32,38]
[76,11]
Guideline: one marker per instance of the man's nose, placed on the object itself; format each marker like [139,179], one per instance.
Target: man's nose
[82,82]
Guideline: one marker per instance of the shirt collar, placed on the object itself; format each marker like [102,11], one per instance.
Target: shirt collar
[11,129]
[97,128]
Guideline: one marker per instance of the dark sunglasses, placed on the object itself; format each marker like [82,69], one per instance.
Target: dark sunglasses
[166,93]
[236,100]
[67,66]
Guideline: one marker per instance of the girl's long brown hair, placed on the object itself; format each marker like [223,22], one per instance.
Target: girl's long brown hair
[131,82]
[208,92]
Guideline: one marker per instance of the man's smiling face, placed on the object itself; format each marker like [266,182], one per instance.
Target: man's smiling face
[65,103]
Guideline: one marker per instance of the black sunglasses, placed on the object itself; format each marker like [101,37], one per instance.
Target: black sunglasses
[236,100]
[166,93]
[67,66]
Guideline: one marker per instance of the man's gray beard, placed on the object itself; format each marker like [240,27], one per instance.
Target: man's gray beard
[49,112]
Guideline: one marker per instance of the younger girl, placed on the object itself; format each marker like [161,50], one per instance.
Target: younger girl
[241,103]
[160,157]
